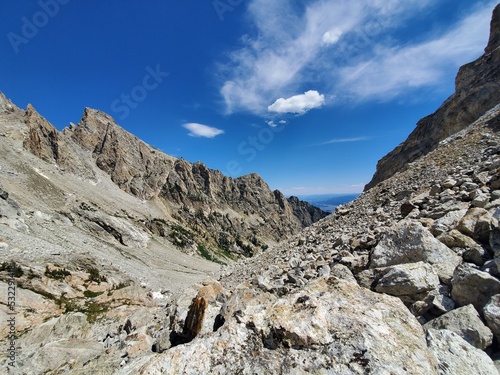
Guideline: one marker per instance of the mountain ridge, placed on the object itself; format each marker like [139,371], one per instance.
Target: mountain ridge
[191,190]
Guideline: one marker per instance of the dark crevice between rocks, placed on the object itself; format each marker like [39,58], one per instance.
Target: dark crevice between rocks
[117,235]
[273,339]
[219,322]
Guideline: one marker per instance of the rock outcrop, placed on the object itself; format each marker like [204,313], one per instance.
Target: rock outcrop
[330,326]
[477,91]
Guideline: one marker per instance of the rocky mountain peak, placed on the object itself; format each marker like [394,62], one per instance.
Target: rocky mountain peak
[6,106]
[43,139]
[238,215]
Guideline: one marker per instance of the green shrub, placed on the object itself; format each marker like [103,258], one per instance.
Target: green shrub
[12,268]
[95,276]
[56,273]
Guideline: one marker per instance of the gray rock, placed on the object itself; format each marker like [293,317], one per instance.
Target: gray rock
[472,286]
[492,315]
[476,255]
[481,200]
[409,280]
[466,323]
[456,356]
[494,241]
[442,304]
[492,267]
[447,222]
[410,242]
[305,332]
[477,223]
[449,183]
[406,208]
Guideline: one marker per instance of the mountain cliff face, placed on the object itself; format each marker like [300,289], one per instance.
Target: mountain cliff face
[477,90]
[237,216]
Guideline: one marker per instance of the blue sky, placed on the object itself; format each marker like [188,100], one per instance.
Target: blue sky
[309,94]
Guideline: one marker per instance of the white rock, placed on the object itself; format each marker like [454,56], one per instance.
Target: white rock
[456,356]
[464,321]
[408,280]
[410,242]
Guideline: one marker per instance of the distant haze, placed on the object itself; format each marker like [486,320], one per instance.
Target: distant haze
[328,202]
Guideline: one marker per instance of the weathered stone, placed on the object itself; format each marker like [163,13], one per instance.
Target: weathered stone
[449,183]
[447,222]
[410,242]
[456,356]
[494,241]
[492,315]
[492,267]
[476,255]
[480,200]
[472,286]
[464,321]
[477,223]
[406,208]
[120,229]
[355,263]
[442,304]
[306,332]
[408,281]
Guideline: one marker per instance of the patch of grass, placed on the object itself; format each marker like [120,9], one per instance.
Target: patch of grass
[180,235]
[94,310]
[227,254]
[68,304]
[56,273]
[205,253]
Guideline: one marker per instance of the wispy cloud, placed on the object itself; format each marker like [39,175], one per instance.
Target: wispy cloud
[333,46]
[200,130]
[393,70]
[343,140]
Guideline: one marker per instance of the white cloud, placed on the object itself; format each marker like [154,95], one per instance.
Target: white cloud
[332,36]
[337,43]
[271,123]
[200,130]
[298,103]
[344,140]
